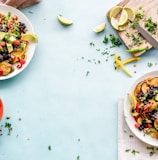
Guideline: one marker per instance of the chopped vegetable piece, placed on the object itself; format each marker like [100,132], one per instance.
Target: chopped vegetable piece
[137,50]
[130,60]
[49,148]
[119,63]
[5,68]
[21,63]
[115,41]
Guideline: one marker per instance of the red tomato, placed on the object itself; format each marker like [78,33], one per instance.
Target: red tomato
[16,42]
[1,109]
[2,43]
[137,125]
[156,120]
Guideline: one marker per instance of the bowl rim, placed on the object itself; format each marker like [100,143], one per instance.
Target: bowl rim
[129,118]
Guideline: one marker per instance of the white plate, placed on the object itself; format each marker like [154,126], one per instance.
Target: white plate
[31,48]
[129,118]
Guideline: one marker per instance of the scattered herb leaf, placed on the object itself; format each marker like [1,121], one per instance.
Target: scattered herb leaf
[115,41]
[105,40]
[49,148]
[150,64]
[78,157]
[91,44]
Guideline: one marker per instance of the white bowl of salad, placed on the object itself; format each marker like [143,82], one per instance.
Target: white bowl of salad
[141,108]
[17,42]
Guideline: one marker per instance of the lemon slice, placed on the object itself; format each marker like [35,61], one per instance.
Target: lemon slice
[31,37]
[115,11]
[132,99]
[64,21]
[131,13]
[99,28]
[115,25]
[123,18]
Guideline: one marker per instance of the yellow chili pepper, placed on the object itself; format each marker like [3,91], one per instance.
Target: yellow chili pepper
[123,68]
[130,60]
[121,64]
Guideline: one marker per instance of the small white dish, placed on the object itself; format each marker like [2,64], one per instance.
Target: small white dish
[129,118]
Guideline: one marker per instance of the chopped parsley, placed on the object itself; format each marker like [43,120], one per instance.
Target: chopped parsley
[150,64]
[136,39]
[115,41]
[78,157]
[105,40]
[133,151]
[131,136]
[127,150]
[105,53]
[151,149]
[150,25]
[9,127]
[91,44]
[87,73]
[98,49]
[49,148]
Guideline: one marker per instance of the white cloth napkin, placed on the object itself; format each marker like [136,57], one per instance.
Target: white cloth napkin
[129,146]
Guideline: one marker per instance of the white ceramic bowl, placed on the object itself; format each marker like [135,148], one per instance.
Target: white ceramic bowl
[129,118]
[31,48]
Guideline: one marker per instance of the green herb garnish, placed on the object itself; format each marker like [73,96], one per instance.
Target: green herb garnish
[150,25]
[134,151]
[78,157]
[150,64]
[105,40]
[91,44]
[115,41]
[49,148]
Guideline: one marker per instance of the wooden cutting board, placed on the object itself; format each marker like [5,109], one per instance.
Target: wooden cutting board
[150,10]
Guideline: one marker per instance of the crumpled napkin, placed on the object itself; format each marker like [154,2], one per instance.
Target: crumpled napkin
[19,4]
[129,146]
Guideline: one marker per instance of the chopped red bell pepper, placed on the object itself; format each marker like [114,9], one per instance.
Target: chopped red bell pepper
[137,107]
[135,118]
[1,72]
[148,125]
[147,108]
[21,63]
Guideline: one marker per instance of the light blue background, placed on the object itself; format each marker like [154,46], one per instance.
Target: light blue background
[58,103]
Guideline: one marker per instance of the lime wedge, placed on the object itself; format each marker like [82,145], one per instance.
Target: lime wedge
[31,37]
[99,28]
[123,18]
[64,21]
[132,99]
